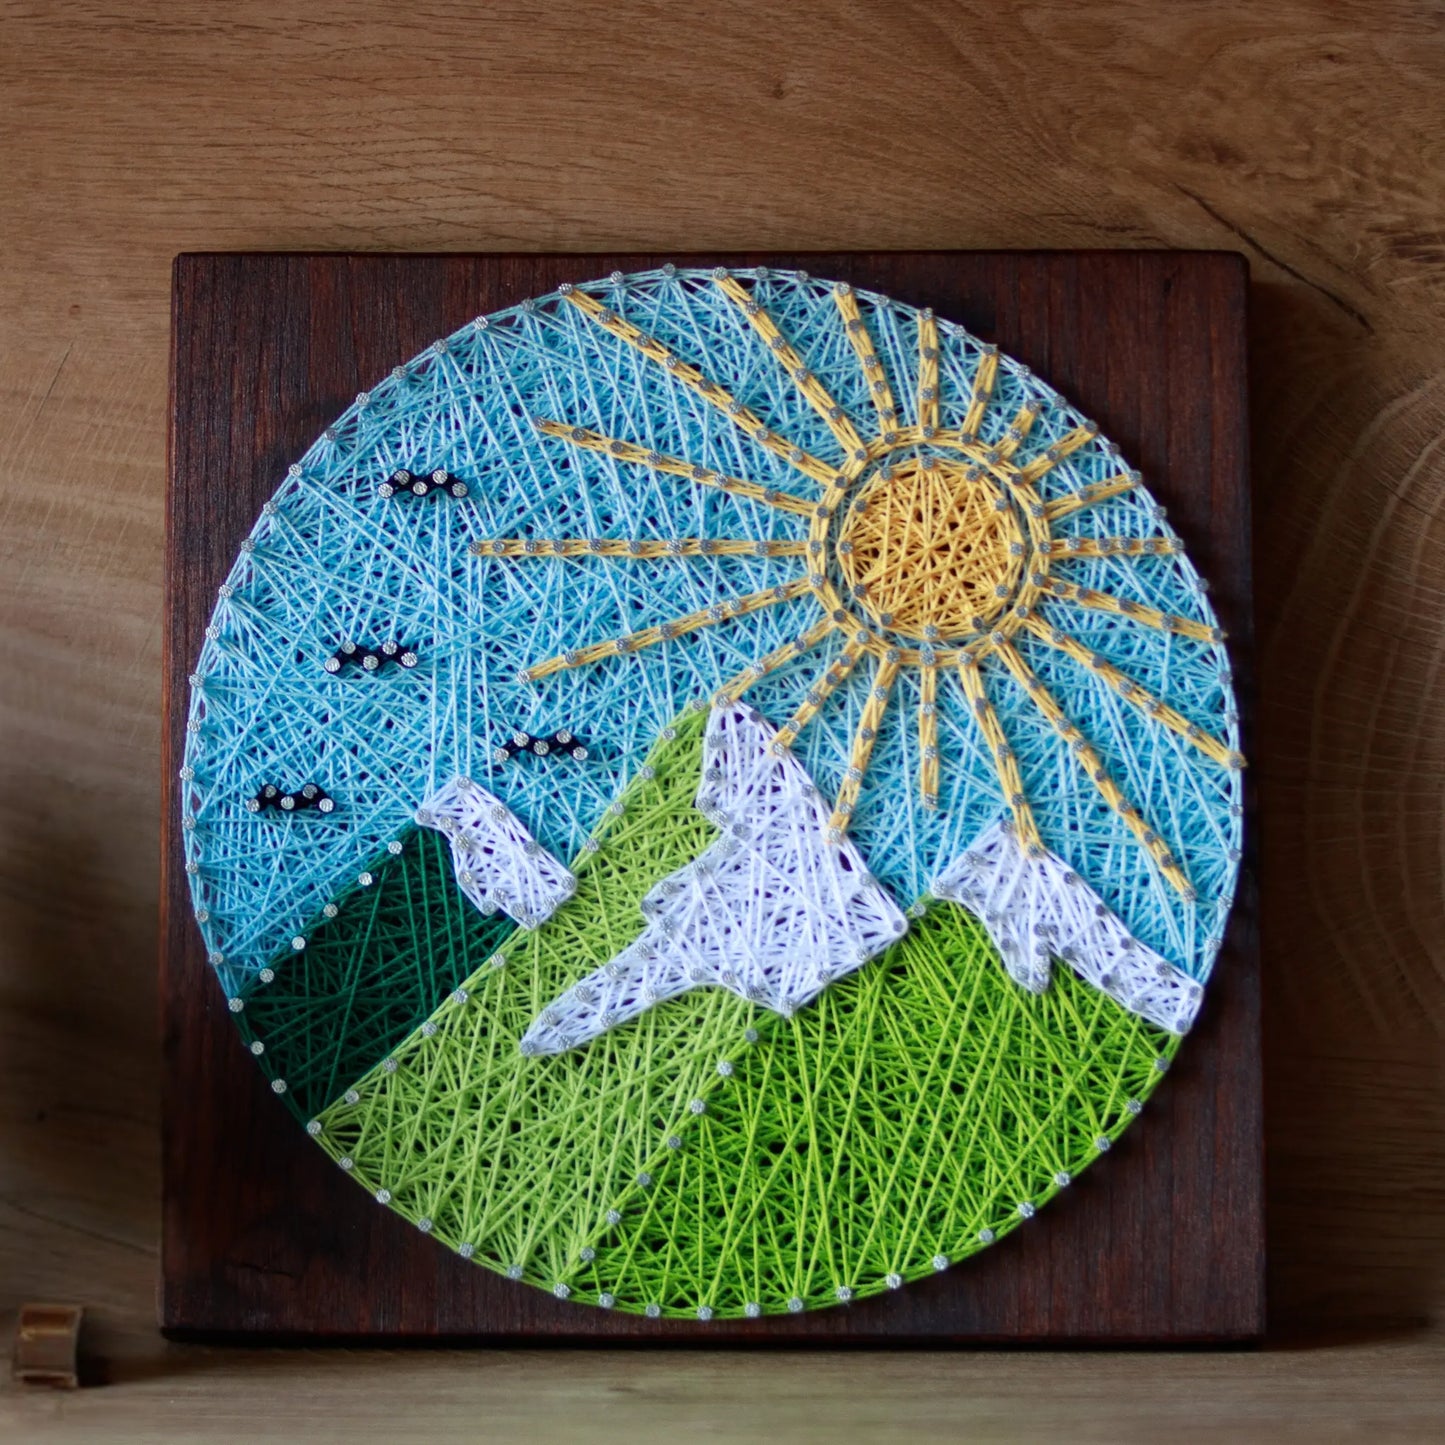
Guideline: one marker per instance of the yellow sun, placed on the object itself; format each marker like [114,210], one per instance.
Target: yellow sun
[926,553]
[942,558]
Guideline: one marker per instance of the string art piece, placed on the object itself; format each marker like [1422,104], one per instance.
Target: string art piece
[898,691]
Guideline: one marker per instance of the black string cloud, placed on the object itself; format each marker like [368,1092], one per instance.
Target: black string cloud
[370,659]
[402,480]
[309,797]
[561,744]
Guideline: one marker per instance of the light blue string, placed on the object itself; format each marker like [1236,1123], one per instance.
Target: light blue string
[330,559]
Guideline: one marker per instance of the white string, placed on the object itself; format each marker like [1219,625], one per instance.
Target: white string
[771,911]
[498,863]
[1036,909]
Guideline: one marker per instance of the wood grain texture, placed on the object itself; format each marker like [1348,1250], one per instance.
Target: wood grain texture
[1306,133]
[1382,1393]
[260,1231]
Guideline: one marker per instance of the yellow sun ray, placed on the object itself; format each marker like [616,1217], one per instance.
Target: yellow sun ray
[863,740]
[981,710]
[1135,611]
[1066,506]
[1112,546]
[691,377]
[905,547]
[624,451]
[1136,694]
[735,687]
[928,733]
[1017,433]
[874,372]
[927,372]
[832,678]
[633,548]
[1092,766]
[665,631]
[981,392]
[810,388]
[1055,452]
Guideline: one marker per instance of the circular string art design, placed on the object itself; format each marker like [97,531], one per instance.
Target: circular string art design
[781,793]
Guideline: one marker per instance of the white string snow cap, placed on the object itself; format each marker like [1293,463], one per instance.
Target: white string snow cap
[1037,909]
[498,863]
[771,911]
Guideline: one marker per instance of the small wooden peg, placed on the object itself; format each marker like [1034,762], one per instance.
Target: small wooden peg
[46,1339]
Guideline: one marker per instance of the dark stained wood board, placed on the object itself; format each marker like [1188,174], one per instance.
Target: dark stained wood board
[263,1236]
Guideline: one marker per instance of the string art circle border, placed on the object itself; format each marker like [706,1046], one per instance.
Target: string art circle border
[604,517]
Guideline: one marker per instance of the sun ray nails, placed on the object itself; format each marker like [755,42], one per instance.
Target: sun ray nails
[981,392]
[874,372]
[1136,695]
[624,451]
[691,377]
[1017,432]
[812,390]
[1134,611]
[927,372]
[981,710]
[735,687]
[1066,547]
[1093,768]
[1087,496]
[928,734]
[863,740]
[1055,452]
[666,631]
[822,689]
[640,550]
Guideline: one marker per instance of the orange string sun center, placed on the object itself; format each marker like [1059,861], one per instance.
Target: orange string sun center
[925,550]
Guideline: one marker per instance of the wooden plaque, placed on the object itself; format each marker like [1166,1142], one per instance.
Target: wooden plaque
[263,1236]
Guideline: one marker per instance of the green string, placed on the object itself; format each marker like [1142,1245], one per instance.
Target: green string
[714,1156]
[892,1128]
[370,975]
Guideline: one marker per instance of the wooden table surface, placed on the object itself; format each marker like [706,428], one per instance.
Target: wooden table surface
[1311,137]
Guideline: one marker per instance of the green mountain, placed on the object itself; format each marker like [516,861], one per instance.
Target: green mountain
[709,1155]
